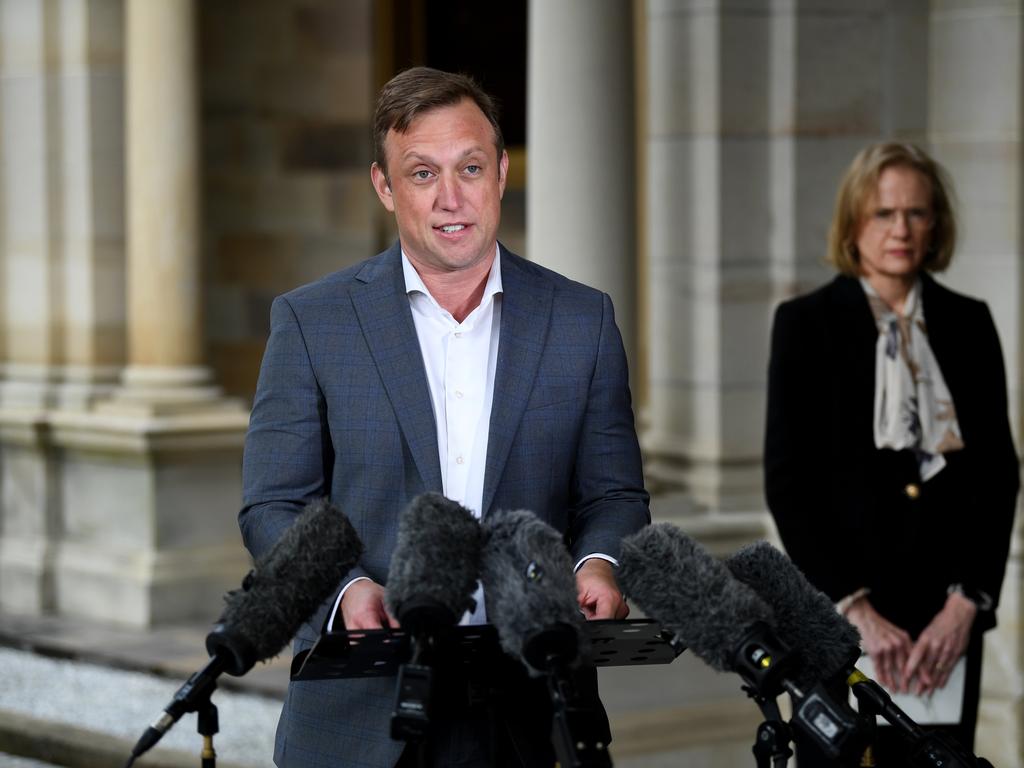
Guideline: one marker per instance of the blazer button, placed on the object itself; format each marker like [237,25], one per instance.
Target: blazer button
[912,491]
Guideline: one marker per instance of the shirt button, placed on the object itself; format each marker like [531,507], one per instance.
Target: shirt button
[912,491]
[458,393]
[458,334]
[458,460]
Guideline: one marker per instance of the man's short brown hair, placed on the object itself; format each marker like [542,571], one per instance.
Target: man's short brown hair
[411,93]
[860,182]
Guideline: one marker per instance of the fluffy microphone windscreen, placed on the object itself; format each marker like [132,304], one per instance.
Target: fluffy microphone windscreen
[529,587]
[689,592]
[805,618]
[288,584]
[436,559]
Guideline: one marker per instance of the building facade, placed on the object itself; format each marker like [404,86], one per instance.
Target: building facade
[168,166]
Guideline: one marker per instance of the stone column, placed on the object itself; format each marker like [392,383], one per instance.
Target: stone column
[165,354]
[90,88]
[30,304]
[975,130]
[151,477]
[580,205]
[708,176]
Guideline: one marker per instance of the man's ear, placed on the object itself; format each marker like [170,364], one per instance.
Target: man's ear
[502,173]
[382,187]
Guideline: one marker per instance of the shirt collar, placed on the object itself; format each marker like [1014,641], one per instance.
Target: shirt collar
[414,283]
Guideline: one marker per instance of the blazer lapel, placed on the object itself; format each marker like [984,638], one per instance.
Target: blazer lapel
[525,318]
[381,303]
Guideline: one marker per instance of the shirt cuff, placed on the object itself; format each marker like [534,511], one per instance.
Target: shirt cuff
[845,604]
[337,603]
[982,600]
[599,556]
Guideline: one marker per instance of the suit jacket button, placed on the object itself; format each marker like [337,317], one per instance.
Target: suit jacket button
[912,491]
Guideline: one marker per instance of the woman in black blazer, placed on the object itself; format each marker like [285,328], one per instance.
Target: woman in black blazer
[890,469]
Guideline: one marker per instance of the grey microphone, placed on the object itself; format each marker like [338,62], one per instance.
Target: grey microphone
[530,594]
[724,622]
[302,570]
[435,565]
[530,590]
[431,581]
[828,646]
[805,618]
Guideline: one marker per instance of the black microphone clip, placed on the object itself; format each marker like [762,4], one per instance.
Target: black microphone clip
[429,624]
[763,661]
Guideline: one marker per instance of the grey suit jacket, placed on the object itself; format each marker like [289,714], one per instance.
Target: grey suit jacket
[343,410]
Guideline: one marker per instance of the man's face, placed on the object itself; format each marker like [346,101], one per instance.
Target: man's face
[446,184]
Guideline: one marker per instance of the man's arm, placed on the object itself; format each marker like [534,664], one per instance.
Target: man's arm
[288,453]
[610,499]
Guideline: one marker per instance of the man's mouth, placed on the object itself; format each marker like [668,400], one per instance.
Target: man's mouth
[450,228]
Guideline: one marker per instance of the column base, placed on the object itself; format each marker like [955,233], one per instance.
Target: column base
[82,386]
[166,391]
[149,518]
[735,485]
[26,575]
[28,520]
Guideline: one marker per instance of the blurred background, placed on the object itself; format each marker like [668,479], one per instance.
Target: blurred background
[168,166]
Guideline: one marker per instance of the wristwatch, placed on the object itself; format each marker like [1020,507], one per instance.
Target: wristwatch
[983,600]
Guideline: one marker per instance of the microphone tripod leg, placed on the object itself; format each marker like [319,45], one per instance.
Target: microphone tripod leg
[207,724]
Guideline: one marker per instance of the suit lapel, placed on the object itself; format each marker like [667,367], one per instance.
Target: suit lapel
[525,318]
[381,303]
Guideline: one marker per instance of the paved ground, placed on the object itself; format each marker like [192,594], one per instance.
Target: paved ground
[78,694]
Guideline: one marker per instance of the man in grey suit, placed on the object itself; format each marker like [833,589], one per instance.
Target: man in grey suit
[444,364]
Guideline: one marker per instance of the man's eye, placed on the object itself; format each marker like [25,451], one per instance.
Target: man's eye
[421,175]
[473,170]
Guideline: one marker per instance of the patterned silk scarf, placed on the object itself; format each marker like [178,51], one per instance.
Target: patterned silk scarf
[913,407]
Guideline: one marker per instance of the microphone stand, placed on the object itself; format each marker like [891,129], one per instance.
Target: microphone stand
[193,696]
[573,733]
[771,745]
[207,724]
[927,749]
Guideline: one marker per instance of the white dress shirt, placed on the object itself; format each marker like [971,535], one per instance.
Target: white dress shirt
[460,360]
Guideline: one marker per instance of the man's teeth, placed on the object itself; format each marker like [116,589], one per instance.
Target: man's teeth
[453,227]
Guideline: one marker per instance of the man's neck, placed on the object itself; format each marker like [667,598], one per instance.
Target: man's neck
[459,297]
[458,292]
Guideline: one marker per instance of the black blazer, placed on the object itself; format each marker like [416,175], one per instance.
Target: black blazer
[844,509]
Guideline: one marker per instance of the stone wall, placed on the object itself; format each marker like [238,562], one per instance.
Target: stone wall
[287,91]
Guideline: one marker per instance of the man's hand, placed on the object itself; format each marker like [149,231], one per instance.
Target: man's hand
[940,645]
[362,607]
[598,593]
[886,644]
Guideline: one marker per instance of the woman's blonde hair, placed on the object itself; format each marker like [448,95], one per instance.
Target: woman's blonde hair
[860,183]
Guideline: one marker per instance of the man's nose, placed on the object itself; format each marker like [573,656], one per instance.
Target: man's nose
[449,195]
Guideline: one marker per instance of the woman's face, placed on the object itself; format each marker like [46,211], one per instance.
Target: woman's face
[896,226]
